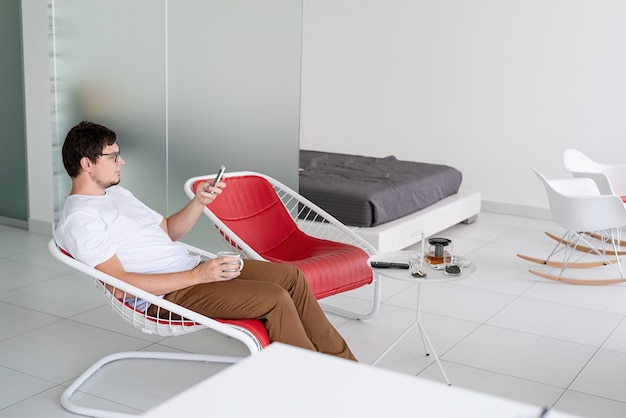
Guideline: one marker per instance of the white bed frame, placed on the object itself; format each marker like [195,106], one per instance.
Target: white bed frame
[406,231]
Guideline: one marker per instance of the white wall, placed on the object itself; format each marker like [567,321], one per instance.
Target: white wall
[493,87]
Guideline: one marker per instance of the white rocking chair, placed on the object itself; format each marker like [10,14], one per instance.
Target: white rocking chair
[610,178]
[592,222]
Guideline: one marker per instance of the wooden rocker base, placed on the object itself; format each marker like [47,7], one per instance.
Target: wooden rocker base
[621,243]
[572,280]
[579,247]
[560,264]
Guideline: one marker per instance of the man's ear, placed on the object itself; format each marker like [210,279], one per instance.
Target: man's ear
[85,164]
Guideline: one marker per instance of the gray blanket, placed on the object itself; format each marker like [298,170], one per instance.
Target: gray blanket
[368,191]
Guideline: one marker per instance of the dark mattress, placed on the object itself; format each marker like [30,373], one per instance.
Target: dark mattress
[368,191]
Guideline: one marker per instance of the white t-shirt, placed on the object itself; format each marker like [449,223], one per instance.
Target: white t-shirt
[94,228]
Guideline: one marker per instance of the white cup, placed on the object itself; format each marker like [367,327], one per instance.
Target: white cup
[230,265]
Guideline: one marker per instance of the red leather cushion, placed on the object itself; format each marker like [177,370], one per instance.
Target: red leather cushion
[330,267]
[252,210]
[255,326]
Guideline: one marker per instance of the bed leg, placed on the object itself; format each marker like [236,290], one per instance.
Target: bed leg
[470,220]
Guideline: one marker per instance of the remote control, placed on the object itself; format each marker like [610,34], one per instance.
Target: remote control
[389,265]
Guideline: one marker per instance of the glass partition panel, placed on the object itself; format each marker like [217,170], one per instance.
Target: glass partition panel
[187,85]
[13,204]
[234,90]
[110,69]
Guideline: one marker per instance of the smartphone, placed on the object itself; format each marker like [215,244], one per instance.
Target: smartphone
[219,176]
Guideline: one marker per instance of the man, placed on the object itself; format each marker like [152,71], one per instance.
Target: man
[103,225]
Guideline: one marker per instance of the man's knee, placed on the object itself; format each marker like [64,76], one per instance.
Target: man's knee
[280,302]
[282,297]
[288,274]
[289,269]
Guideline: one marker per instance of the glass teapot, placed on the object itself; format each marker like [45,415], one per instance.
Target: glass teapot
[438,255]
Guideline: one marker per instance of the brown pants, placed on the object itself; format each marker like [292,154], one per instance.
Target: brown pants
[276,293]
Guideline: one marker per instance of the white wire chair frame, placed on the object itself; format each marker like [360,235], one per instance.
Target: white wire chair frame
[122,297]
[310,219]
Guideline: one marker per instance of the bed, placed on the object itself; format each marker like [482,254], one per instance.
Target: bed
[389,202]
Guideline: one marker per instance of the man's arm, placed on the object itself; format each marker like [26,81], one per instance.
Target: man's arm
[161,284]
[180,223]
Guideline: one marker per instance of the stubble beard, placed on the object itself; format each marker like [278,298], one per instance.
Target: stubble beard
[105,184]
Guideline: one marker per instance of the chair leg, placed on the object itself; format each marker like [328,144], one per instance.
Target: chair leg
[355,315]
[66,400]
[576,243]
[572,242]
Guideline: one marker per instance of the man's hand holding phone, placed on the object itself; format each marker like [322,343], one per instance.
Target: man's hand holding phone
[210,189]
[219,176]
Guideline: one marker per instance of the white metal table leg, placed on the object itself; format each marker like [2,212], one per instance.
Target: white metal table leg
[432,349]
[428,346]
[427,349]
[395,343]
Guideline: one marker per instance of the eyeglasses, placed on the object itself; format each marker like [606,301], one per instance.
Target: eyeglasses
[115,155]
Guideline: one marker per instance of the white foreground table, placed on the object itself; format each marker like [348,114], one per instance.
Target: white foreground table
[284,381]
[432,277]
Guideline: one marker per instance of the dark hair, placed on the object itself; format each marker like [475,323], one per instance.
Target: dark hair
[87,139]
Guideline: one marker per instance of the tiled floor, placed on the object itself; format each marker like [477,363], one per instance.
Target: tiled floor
[502,331]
